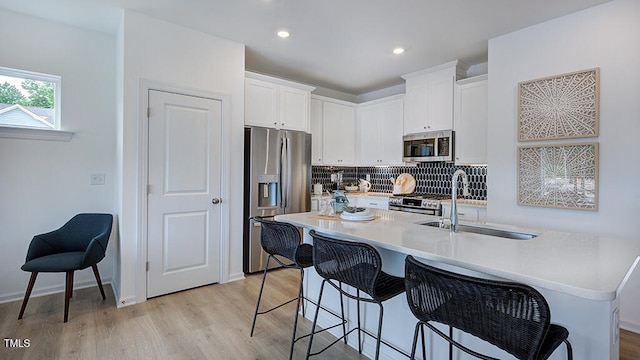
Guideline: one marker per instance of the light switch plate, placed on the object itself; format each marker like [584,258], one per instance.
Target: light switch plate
[97,179]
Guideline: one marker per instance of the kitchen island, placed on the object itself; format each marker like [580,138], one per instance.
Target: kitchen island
[580,275]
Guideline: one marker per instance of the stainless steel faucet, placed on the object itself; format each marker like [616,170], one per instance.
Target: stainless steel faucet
[454,195]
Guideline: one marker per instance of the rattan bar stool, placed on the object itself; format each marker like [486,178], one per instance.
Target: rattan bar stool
[358,265]
[283,239]
[514,317]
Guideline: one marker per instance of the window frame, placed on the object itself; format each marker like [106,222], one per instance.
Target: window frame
[20,132]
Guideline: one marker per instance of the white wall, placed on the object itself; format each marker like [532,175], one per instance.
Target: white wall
[606,36]
[165,53]
[44,183]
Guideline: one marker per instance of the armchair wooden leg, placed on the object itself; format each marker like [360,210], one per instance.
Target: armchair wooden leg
[67,294]
[97,275]
[27,294]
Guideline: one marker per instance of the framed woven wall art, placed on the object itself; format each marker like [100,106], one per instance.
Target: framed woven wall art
[560,106]
[559,176]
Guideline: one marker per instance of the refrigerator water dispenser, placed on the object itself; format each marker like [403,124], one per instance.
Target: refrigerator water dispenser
[267,191]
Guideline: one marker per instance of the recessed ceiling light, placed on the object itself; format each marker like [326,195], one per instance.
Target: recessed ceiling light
[398,51]
[283,34]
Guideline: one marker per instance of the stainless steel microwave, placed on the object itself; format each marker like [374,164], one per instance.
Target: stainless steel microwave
[429,146]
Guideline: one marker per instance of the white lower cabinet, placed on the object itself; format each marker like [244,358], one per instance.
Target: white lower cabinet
[466,212]
[374,202]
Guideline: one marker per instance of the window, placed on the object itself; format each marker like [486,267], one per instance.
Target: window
[30,106]
[29,100]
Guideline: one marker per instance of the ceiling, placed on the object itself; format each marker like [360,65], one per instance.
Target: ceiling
[343,45]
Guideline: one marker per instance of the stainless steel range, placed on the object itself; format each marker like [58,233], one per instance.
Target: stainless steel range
[428,204]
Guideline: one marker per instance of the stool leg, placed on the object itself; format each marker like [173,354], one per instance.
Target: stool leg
[295,321]
[359,331]
[415,341]
[27,294]
[315,320]
[569,350]
[424,350]
[255,314]
[450,343]
[304,308]
[344,325]
[380,314]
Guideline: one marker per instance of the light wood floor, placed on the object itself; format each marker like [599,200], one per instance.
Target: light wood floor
[211,322]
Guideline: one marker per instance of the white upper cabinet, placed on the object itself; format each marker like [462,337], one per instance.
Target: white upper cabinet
[260,103]
[470,121]
[333,132]
[338,134]
[379,131]
[276,103]
[429,98]
[316,132]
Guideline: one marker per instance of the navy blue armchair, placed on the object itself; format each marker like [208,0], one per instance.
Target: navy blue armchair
[78,244]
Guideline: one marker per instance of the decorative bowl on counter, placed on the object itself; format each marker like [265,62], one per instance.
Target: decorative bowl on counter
[351,188]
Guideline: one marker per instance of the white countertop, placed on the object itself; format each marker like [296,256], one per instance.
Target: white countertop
[582,265]
[353,193]
[467,202]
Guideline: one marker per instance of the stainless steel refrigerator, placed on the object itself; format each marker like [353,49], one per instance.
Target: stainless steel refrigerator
[277,180]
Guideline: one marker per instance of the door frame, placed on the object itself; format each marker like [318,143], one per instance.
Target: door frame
[145,86]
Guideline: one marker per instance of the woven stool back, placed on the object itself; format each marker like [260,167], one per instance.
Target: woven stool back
[352,263]
[514,317]
[278,238]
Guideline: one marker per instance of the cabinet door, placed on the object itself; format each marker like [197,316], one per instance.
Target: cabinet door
[294,109]
[465,213]
[440,101]
[429,102]
[369,126]
[415,114]
[380,133]
[316,132]
[260,103]
[470,123]
[338,134]
[374,202]
[390,132]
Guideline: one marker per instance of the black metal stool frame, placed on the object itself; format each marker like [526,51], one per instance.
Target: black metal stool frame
[296,265]
[357,297]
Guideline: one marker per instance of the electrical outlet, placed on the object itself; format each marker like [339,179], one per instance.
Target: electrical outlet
[97,179]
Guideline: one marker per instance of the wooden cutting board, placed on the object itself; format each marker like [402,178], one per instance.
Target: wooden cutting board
[408,183]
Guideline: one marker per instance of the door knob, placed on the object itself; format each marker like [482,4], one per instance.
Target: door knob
[216,201]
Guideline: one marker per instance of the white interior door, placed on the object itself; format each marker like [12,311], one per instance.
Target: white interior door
[183,215]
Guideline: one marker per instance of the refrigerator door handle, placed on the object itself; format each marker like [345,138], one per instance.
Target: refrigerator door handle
[284,167]
[286,171]
[288,165]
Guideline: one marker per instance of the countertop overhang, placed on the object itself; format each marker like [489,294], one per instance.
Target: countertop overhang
[583,265]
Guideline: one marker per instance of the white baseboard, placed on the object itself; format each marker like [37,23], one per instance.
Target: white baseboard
[630,326]
[120,303]
[54,289]
[235,277]
[123,302]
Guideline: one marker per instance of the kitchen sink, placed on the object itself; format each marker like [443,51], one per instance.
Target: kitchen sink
[483,230]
